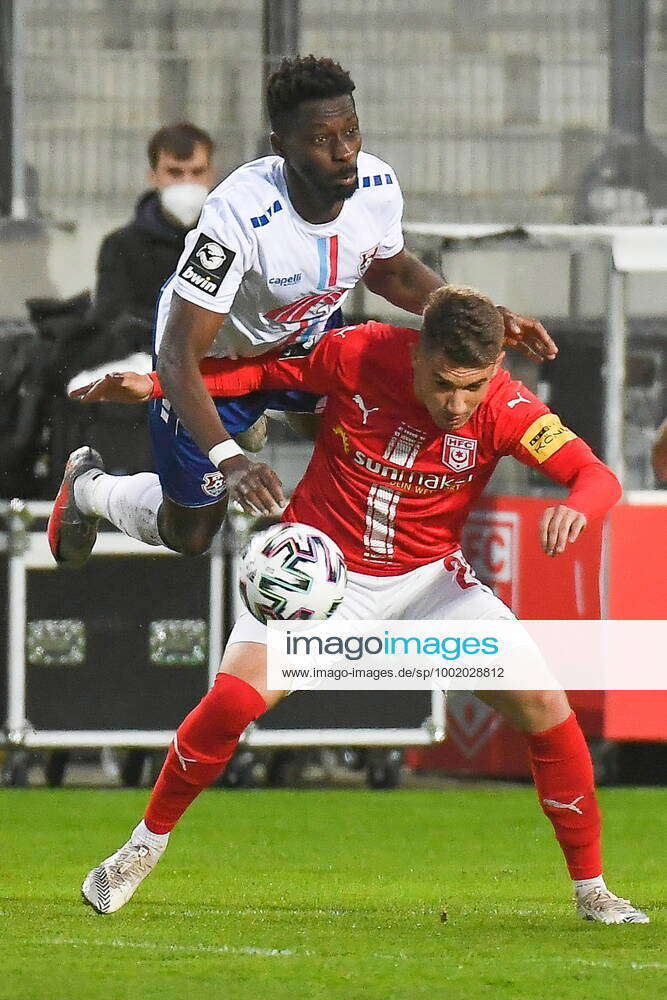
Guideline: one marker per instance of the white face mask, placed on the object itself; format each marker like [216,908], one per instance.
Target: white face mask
[183,201]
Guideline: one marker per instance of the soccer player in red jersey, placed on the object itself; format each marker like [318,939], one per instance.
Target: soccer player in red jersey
[413,427]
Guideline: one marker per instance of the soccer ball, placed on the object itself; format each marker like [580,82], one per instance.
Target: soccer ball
[292,571]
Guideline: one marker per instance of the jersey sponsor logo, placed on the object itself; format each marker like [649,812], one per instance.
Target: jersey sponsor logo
[207,265]
[459,453]
[342,434]
[214,484]
[546,436]
[292,280]
[367,258]
[410,482]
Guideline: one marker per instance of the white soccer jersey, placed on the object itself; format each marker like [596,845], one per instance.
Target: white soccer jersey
[278,277]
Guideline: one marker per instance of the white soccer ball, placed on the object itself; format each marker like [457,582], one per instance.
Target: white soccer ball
[292,571]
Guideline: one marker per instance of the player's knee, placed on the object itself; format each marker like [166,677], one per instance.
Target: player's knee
[540,710]
[190,531]
[188,540]
[195,543]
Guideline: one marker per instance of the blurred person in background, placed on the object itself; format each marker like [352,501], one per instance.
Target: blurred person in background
[659,453]
[136,260]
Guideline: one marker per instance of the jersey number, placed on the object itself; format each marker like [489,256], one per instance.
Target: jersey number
[463,573]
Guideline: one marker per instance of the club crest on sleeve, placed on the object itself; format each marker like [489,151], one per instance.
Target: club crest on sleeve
[207,265]
[214,484]
[459,453]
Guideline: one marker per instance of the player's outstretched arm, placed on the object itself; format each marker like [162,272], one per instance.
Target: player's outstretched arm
[407,282]
[116,387]
[221,377]
[537,438]
[403,280]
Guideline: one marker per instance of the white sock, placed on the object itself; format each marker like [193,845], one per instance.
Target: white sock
[142,835]
[582,884]
[131,503]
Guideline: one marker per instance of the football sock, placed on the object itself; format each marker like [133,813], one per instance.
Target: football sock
[142,835]
[563,774]
[131,503]
[203,744]
[582,884]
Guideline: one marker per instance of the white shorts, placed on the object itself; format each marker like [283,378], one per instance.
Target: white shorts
[445,589]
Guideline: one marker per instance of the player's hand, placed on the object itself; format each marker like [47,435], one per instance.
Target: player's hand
[120,387]
[528,336]
[558,526]
[253,485]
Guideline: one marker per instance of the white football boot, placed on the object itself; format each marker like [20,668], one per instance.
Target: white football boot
[597,903]
[110,885]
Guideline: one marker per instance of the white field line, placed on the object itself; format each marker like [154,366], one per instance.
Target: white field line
[192,949]
[204,949]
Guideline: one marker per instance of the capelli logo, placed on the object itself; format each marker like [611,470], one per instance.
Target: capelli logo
[293,279]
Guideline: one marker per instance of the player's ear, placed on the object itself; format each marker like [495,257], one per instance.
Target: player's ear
[499,361]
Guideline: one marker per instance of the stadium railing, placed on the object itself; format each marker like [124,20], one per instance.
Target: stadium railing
[629,249]
[422,719]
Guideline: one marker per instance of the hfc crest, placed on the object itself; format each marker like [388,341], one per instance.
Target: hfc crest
[459,453]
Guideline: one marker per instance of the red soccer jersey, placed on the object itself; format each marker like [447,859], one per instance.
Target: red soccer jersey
[384,481]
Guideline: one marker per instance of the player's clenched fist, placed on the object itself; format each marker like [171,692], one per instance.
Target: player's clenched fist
[558,526]
[253,485]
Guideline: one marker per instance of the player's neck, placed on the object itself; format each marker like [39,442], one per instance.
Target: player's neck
[308,204]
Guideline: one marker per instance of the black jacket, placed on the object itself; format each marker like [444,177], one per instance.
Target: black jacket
[135,261]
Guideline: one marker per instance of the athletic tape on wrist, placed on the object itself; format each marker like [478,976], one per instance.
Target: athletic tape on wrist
[221,452]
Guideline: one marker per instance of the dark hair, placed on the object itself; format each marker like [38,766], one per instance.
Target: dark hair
[464,325]
[179,140]
[304,78]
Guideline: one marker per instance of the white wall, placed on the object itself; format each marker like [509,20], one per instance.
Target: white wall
[533,282]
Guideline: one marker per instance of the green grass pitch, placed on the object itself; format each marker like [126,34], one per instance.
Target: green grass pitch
[327,894]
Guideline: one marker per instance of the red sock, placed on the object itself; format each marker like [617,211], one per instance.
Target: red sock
[204,742]
[563,774]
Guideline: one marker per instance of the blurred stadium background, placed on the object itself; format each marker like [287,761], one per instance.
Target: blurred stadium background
[503,112]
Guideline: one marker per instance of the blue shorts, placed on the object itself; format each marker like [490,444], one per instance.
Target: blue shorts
[186,475]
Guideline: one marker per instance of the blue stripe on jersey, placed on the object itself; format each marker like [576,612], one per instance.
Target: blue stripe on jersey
[323,251]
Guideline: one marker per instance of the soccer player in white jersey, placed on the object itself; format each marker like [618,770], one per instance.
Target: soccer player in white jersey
[279,245]
[413,428]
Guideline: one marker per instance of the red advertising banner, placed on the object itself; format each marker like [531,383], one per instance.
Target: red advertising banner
[502,543]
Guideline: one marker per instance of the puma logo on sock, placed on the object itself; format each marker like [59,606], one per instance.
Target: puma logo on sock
[565,805]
